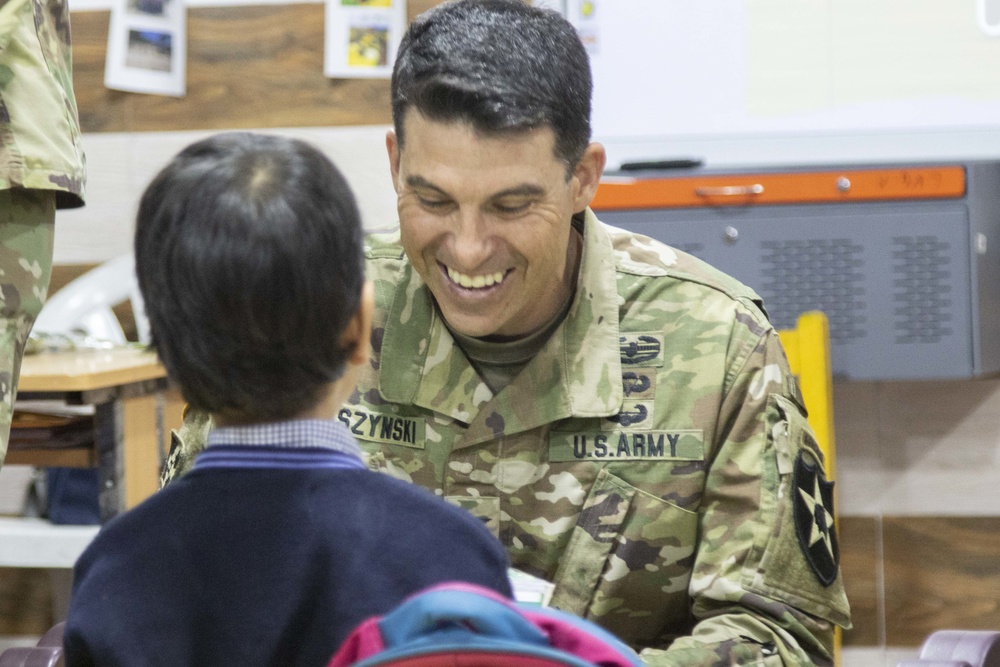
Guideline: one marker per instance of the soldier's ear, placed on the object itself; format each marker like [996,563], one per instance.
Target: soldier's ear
[392,147]
[587,175]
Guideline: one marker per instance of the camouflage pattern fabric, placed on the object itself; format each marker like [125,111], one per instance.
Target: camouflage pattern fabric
[643,460]
[41,169]
[39,128]
[185,444]
[27,224]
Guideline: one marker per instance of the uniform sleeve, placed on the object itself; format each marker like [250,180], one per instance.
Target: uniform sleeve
[766,587]
[185,444]
[10,15]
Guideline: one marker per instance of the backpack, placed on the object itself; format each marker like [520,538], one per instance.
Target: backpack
[464,625]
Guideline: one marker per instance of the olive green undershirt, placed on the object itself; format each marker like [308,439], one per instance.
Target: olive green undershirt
[499,361]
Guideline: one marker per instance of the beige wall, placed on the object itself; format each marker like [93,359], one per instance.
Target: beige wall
[119,165]
[918,448]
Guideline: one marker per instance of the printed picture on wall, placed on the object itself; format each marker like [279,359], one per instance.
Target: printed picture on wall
[558,5]
[368,46]
[148,49]
[362,37]
[587,23]
[147,7]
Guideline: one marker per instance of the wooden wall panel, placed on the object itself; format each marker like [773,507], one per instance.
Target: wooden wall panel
[940,572]
[858,551]
[247,67]
[26,604]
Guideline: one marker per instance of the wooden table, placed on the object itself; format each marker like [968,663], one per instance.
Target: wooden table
[134,410]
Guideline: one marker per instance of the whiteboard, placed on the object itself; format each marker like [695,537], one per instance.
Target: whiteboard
[736,81]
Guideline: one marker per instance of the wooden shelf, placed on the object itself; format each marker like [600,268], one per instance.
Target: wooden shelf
[52,457]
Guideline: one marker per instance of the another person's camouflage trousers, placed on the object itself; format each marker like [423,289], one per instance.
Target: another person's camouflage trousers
[27,226]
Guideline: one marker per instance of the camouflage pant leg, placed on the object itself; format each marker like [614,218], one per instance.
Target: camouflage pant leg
[27,226]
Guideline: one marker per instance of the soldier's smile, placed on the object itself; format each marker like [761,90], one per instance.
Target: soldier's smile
[474,284]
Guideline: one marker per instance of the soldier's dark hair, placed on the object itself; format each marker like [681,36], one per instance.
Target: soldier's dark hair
[249,255]
[502,66]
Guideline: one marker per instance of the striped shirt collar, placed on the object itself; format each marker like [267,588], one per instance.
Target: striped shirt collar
[292,435]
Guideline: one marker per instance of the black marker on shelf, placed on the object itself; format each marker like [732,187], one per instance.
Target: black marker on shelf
[659,165]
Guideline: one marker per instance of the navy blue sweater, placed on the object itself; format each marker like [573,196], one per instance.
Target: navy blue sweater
[265,567]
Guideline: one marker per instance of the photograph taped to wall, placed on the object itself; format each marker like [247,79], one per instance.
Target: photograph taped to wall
[149,49]
[362,37]
[368,46]
[584,15]
[558,5]
[146,47]
[150,7]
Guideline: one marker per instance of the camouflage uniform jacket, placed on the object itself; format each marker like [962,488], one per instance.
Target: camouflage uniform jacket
[643,460]
[40,144]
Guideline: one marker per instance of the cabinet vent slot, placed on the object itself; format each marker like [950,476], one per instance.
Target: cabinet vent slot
[823,274]
[921,293]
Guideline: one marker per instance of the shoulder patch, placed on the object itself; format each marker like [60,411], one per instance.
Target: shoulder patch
[814,526]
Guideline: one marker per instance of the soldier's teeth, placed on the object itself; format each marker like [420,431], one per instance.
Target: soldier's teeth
[475,282]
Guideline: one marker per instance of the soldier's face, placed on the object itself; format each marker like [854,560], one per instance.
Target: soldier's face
[485,221]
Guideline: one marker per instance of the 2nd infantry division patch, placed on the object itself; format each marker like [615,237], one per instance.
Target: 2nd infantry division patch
[813,514]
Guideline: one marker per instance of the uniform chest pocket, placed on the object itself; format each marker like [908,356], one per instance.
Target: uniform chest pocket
[628,562]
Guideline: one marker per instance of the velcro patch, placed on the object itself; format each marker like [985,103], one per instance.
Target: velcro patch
[814,525]
[385,429]
[641,349]
[633,415]
[639,383]
[678,445]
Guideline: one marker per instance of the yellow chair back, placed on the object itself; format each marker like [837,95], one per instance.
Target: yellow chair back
[808,349]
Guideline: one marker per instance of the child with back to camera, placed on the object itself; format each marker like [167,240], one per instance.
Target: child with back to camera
[280,541]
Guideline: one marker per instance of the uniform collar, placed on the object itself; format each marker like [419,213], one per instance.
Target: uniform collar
[576,374]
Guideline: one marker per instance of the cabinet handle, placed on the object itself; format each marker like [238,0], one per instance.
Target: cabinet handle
[730,191]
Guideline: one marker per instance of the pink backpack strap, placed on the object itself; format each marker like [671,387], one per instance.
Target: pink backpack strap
[365,640]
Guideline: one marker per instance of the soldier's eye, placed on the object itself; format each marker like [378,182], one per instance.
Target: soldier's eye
[512,207]
[433,203]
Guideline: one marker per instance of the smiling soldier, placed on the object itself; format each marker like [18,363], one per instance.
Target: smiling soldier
[619,413]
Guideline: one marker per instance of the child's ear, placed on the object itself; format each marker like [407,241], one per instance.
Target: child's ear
[357,334]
